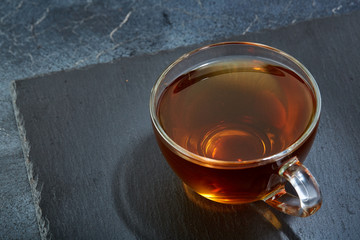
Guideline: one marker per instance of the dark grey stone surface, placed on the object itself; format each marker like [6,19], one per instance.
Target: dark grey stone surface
[97,173]
[38,37]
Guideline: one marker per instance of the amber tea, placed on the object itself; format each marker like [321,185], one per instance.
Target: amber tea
[239,109]
[234,109]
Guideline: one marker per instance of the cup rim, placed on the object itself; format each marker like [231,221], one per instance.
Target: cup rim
[215,163]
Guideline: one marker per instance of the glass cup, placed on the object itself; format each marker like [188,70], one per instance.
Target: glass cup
[237,182]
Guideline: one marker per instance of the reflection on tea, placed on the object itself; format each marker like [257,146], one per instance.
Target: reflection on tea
[234,109]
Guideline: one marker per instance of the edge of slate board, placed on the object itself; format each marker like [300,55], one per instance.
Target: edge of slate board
[36,190]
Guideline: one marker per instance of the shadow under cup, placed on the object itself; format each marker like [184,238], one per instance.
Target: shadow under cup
[234,180]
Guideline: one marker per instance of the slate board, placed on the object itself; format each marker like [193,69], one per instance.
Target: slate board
[97,173]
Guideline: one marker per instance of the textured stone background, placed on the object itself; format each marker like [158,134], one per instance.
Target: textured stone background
[39,37]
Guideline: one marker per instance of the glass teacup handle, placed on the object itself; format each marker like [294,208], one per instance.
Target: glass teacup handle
[308,200]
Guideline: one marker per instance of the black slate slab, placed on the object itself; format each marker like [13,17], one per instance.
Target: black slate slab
[97,173]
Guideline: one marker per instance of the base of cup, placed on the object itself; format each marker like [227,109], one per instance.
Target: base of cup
[198,197]
[209,204]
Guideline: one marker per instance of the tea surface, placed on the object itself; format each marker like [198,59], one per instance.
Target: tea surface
[236,109]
